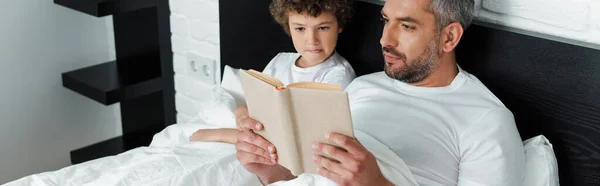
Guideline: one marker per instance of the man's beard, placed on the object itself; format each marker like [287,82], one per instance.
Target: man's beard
[416,69]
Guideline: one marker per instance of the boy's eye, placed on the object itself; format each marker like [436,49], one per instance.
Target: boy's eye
[324,28]
[299,29]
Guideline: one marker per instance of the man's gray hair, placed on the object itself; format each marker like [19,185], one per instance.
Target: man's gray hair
[448,11]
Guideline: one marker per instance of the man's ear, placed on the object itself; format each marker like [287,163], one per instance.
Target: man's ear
[340,30]
[451,35]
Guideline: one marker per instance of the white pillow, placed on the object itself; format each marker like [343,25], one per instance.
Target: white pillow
[231,83]
[541,168]
[213,104]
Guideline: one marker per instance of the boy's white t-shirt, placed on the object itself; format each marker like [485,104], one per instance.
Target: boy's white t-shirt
[460,134]
[335,70]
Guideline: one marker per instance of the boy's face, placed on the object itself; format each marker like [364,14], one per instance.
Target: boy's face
[314,37]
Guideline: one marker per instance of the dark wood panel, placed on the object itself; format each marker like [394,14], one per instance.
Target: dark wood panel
[250,37]
[552,88]
[105,84]
[100,8]
[166,62]
[359,42]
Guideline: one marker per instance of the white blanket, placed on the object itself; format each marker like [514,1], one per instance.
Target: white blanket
[200,163]
[172,160]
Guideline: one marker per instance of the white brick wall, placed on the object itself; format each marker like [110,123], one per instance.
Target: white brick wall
[576,20]
[574,17]
[595,20]
[195,29]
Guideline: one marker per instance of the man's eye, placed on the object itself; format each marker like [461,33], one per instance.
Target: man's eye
[300,29]
[406,27]
[324,28]
[384,20]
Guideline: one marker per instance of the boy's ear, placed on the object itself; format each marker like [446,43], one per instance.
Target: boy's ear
[340,30]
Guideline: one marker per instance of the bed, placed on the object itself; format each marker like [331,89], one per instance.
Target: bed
[551,88]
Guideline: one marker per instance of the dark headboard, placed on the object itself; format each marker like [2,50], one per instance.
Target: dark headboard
[552,88]
[250,37]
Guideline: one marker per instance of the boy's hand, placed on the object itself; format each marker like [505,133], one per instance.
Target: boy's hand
[357,166]
[224,135]
[240,113]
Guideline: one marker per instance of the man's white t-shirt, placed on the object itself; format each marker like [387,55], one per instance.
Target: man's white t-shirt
[460,134]
[335,70]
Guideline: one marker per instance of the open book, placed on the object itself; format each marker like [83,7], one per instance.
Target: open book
[296,116]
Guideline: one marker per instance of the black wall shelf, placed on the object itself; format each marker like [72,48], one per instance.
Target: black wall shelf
[104,84]
[140,79]
[100,8]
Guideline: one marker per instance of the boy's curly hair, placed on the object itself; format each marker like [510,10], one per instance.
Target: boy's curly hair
[342,9]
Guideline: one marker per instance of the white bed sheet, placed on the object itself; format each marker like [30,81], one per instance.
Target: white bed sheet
[168,162]
[171,159]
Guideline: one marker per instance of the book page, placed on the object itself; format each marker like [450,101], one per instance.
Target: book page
[315,85]
[270,106]
[316,113]
[266,78]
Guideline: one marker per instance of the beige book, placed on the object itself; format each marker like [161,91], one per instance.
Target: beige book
[296,116]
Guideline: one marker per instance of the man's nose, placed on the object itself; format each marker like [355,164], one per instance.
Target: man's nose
[389,37]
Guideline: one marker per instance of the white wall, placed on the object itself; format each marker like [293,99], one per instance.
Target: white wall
[40,121]
[571,21]
[195,28]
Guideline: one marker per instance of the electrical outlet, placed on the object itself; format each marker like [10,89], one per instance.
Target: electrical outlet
[202,68]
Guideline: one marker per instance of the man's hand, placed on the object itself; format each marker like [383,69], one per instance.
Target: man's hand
[357,166]
[255,153]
